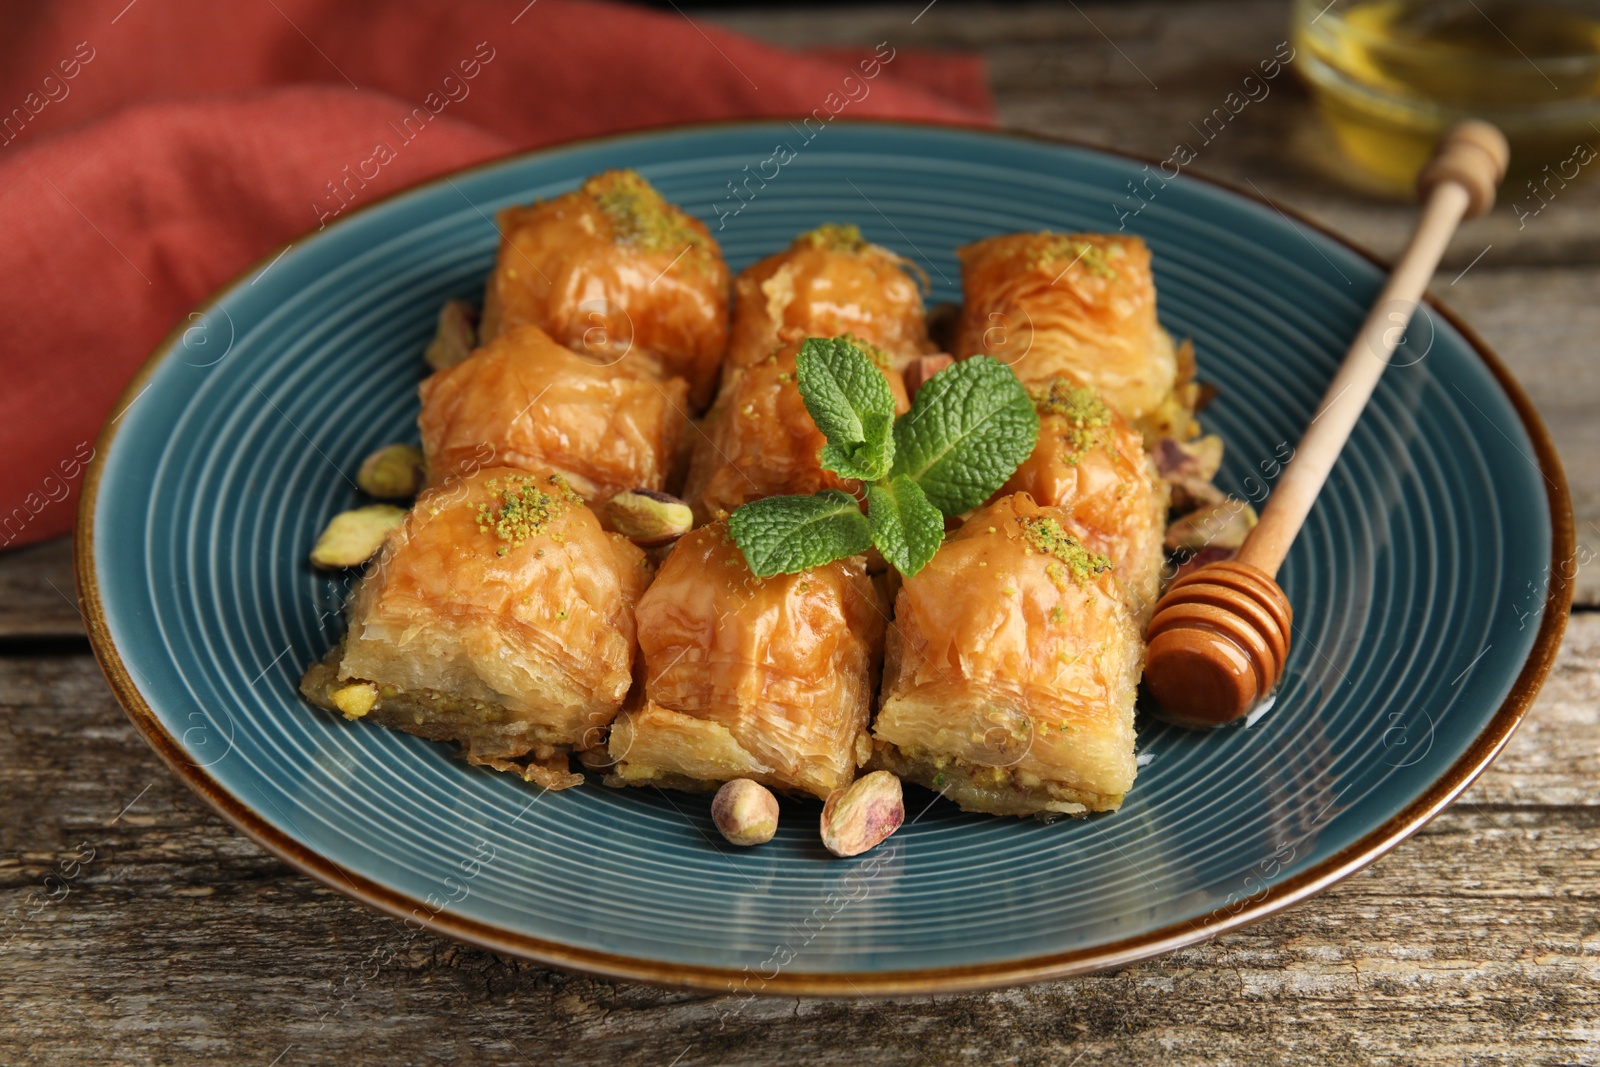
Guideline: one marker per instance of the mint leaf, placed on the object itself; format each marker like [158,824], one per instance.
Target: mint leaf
[786,534]
[971,425]
[849,400]
[907,529]
[868,461]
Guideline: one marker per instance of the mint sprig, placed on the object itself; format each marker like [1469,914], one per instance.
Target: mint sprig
[848,399]
[972,424]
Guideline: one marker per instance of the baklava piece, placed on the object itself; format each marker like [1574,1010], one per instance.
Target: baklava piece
[764,678]
[614,271]
[499,615]
[1082,305]
[524,401]
[829,282]
[1011,670]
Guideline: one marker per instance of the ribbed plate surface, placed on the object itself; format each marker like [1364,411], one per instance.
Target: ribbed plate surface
[1419,587]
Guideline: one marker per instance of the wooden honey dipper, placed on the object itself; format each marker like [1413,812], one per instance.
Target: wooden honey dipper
[1220,634]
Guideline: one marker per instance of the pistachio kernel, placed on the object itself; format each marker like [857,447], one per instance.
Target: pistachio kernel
[1222,526]
[745,812]
[649,518]
[353,537]
[863,814]
[393,472]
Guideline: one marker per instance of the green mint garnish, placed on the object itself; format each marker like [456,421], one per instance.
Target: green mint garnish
[972,424]
[787,534]
[906,528]
[849,400]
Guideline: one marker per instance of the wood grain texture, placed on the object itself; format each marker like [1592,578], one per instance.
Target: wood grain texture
[180,941]
[38,595]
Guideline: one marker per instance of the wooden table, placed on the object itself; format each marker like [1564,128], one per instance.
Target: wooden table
[1478,941]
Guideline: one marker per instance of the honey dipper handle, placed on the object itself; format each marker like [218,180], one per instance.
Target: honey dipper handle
[1458,183]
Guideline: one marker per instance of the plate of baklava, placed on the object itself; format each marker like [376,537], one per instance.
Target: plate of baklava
[651,561]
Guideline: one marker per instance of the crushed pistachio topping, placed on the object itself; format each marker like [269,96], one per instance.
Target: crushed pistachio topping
[522,509]
[1056,247]
[639,215]
[834,237]
[1056,615]
[1086,416]
[1046,535]
[880,359]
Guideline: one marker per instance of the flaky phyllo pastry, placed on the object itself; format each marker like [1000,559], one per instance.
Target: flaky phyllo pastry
[829,282]
[1081,305]
[1011,670]
[764,678]
[524,401]
[500,616]
[614,271]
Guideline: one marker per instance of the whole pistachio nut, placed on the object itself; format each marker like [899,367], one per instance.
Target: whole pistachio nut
[650,518]
[353,537]
[455,337]
[863,814]
[745,812]
[393,472]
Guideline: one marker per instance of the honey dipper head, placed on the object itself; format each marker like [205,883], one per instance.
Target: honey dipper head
[1474,155]
[1217,644]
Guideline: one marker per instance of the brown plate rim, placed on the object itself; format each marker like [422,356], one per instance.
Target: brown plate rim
[1370,847]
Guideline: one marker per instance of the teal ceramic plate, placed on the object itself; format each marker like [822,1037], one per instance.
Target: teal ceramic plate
[1429,599]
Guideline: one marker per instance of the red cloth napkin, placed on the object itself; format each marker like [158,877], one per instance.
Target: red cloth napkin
[151,150]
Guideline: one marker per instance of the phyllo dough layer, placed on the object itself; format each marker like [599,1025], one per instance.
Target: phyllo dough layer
[758,440]
[614,271]
[1011,670]
[524,401]
[827,283]
[1091,466]
[1079,304]
[499,615]
[763,678]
